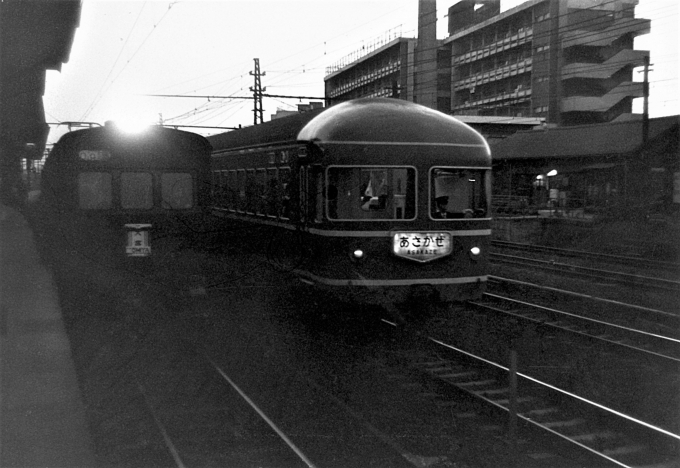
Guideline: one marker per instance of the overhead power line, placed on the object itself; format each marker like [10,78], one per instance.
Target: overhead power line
[235,97]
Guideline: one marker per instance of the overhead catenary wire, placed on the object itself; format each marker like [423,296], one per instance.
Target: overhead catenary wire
[104,86]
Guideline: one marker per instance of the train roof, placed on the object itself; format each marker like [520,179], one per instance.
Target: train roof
[388,120]
[359,120]
[277,131]
[110,136]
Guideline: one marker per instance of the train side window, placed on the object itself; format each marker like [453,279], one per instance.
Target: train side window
[232,190]
[458,193]
[223,189]
[136,190]
[94,190]
[272,193]
[356,193]
[284,181]
[260,191]
[251,192]
[303,186]
[215,186]
[177,191]
[241,189]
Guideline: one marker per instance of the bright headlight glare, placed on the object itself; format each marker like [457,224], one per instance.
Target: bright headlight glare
[475,251]
[358,253]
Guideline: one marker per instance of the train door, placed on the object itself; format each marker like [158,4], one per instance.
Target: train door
[303,188]
[318,196]
[311,190]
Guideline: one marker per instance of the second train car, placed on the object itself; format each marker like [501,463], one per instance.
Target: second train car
[112,194]
[378,201]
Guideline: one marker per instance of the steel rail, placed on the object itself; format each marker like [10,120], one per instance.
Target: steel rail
[563,392]
[672,266]
[257,409]
[166,438]
[549,310]
[658,430]
[587,296]
[646,281]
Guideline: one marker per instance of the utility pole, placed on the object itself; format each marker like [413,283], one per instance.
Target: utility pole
[554,85]
[257,92]
[645,102]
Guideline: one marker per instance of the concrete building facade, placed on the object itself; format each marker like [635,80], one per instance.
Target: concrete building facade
[567,61]
[386,71]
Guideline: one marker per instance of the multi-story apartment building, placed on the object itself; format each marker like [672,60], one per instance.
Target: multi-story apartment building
[568,61]
[386,71]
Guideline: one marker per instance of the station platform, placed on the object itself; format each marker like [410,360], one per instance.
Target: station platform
[42,417]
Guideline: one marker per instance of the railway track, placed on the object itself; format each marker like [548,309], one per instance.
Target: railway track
[602,435]
[567,269]
[206,434]
[637,262]
[587,324]
[180,408]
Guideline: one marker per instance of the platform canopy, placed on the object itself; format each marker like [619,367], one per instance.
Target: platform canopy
[35,36]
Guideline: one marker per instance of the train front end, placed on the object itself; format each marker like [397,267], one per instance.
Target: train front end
[111,194]
[403,215]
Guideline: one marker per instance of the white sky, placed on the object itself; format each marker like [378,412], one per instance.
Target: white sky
[125,49]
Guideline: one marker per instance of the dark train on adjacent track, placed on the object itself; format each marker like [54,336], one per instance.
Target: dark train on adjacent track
[108,191]
[378,201]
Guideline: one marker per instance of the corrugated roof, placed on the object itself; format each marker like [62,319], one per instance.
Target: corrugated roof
[579,141]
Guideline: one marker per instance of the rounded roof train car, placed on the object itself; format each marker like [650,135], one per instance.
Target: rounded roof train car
[361,121]
[382,199]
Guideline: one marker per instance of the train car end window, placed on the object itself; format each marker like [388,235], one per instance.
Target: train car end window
[94,190]
[371,193]
[177,191]
[458,193]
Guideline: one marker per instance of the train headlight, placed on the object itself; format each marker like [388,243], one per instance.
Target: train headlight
[475,252]
[357,254]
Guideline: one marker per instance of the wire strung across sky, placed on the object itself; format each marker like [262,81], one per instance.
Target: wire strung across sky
[236,97]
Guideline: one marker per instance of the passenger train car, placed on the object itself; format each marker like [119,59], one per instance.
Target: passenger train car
[378,201]
[107,191]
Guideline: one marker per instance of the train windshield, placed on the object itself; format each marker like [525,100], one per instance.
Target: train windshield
[361,193]
[458,193]
[94,190]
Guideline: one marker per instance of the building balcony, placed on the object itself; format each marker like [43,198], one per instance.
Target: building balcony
[628,89]
[517,68]
[367,77]
[513,40]
[604,70]
[512,97]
